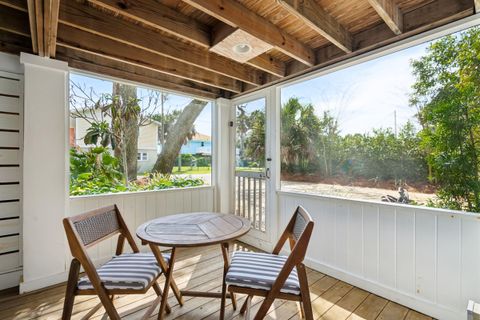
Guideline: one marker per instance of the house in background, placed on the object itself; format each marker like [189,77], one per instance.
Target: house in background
[200,144]
[147,141]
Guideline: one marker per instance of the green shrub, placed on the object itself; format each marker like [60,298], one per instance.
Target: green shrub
[96,171]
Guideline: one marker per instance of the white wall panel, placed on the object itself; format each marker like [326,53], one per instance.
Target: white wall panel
[9,104]
[9,157]
[427,259]
[425,255]
[139,207]
[405,245]
[9,139]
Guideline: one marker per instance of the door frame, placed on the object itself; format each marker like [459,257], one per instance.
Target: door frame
[265,241]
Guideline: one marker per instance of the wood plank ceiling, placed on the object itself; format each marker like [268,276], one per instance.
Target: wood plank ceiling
[168,43]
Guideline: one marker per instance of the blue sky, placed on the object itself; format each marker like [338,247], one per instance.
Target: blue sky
[364,96]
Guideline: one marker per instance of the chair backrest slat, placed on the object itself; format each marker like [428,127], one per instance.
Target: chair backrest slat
[297,232]
[97,226]
[299,225]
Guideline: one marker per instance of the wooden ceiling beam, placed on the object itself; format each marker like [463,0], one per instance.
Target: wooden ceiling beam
[430,16]
[75,38]
[313,15]
[389,11]
[50,24]
[43,17]
[163,18]
[87,18]
[104,66]
[14,43]
[14,21]
[15,4]
[236,15]
[268,64]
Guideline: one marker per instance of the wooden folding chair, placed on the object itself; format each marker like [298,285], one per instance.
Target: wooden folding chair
[125,273]
[272,275]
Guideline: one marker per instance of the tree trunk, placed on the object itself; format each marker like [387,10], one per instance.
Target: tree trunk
[127,94]
[175,139]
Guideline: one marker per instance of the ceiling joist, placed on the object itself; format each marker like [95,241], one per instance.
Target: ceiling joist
[236,15]
[75,38]
[389,11]
[100,65]
[313,15]
[43,17]
[84,17]
[163,18]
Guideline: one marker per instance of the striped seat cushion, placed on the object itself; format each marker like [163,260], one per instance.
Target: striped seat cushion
[126,271]
[259,271]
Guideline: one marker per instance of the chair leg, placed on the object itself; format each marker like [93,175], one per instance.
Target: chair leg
[107,302]
[71,287]
[305,292]
[245,304]
[224,247]
[234,300]
[266,304]
[159,293]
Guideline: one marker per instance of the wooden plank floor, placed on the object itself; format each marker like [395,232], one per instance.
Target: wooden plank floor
[202,270]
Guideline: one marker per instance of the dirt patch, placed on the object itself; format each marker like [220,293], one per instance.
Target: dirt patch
[417,187]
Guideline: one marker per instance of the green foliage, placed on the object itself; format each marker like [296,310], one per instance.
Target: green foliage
[160,181]
[255,141]
[198,159]
[383,156]
[377,156]
[96,171]
[300,136]
[447,95]
[99,131]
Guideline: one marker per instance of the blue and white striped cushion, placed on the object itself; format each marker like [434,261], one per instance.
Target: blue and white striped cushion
[259,271]
[126,271]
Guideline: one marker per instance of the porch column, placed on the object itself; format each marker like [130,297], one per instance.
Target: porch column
[223,158]
[45,182]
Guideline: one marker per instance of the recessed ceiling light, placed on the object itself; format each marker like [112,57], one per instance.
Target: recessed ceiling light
[242,48]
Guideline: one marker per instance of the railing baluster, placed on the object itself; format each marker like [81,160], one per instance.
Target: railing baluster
[243,195]
[249,202]
[261,205]
[238,195]
[255,203]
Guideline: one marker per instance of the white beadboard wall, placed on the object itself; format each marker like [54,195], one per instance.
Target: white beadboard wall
[11,125]
[427,259]
[138,207]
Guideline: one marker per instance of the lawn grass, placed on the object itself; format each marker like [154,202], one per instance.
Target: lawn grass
[192,170]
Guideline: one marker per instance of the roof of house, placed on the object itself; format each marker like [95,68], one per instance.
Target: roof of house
[201,137]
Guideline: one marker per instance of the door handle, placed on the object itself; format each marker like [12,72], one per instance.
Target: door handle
[267,173]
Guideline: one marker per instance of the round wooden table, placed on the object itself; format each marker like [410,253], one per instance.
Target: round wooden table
[191,230]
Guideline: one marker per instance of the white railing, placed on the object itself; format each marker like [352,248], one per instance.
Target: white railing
[427,259]
[250,197]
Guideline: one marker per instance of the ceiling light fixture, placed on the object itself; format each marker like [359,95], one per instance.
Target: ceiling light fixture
[242,48]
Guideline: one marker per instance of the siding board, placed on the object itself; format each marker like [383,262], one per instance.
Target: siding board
[425,258]
[136,208]
[9,104]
